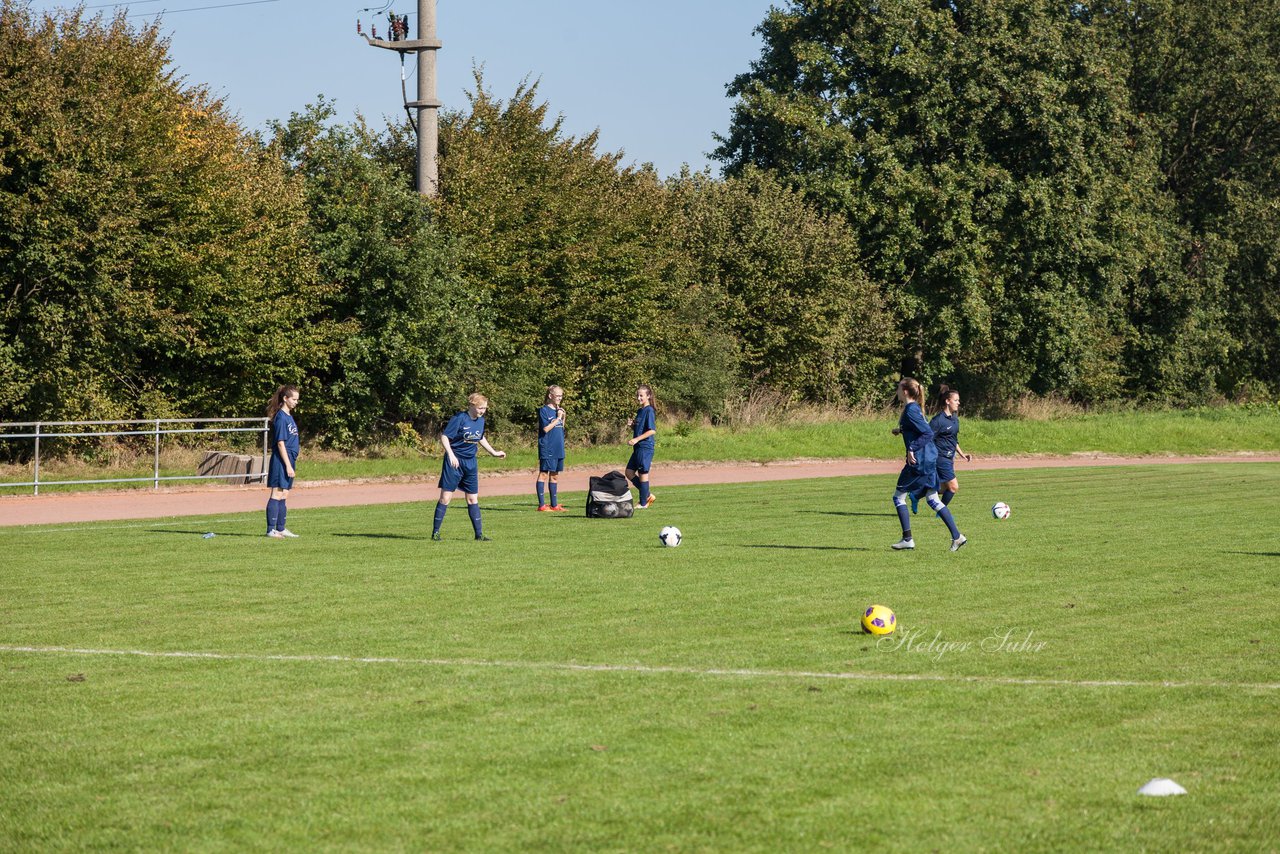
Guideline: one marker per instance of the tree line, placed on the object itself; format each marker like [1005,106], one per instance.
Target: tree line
[1068,199]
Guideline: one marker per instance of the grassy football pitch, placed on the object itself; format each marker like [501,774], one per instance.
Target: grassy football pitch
[574,685]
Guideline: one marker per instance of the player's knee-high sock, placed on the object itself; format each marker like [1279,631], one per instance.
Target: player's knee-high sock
[473,510]
[945,515]
[273,514]
[635,480]
[280,516]
[915,503]
[644,492]
[441,509]
[541,501]
[946,497]
[904,516]
[555,502]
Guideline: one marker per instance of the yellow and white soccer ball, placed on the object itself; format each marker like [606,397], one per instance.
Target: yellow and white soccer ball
[1000,510]
[879,620]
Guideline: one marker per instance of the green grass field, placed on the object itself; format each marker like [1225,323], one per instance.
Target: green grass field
[573,685]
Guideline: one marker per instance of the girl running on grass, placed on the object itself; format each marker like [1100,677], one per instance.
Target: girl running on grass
[284,444]
[550,448]
[946,437]
[644,427]
[460,470]
[919,476]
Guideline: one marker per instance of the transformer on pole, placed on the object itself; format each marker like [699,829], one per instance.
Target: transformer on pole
[427,104]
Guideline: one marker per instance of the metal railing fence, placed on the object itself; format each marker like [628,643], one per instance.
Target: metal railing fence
[156,428]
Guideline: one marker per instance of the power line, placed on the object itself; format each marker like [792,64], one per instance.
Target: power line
[198,8]
[126,3]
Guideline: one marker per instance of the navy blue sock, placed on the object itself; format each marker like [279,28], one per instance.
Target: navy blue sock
[541,500]
[635,481]
[946,497]
[473,510]
[644,492]
[915,503]
[273,513]
[904,516]
[554,501]
[441,509]
[945,515]
[283,511]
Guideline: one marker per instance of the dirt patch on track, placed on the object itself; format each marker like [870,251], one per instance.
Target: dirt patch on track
[97,506]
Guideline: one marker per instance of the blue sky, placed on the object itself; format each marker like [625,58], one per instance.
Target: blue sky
[650,75]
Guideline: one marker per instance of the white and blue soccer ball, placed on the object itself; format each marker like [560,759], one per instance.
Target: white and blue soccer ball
[1000,510]
[670,536]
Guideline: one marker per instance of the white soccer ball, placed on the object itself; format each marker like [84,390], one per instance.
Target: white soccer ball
[1000,510]
[670,536]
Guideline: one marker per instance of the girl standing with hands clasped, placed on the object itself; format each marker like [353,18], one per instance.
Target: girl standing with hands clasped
[550,448]
[946,436]
[919,476]
[460,470]
[285,446]
[644,427]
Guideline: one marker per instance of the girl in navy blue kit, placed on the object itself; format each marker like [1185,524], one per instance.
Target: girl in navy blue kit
[644,427]
[460,437]
[946,437]
[550,448]
[285,446]
[919,476]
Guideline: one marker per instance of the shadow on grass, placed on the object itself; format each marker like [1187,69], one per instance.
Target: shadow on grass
[1253,554]
[201,532]
[849,513]
[805,548]
[372,536]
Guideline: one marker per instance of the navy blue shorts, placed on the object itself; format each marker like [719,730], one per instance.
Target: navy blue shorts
[277,476]
[641,460]
[918,480]
[552,465]
[465,477]
[946,469]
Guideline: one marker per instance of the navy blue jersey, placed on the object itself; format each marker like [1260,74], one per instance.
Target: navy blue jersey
[285,429]
[921,478]
[917,435]
[464,434]
[645,421]
[946,433]
[550,442]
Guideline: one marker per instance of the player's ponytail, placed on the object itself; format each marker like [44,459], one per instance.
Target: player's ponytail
[277,399]
[911,387]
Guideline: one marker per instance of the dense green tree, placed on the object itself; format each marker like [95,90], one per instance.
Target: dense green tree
[1078,199]
[985,153]
[151,257]
[794,296]
[413,334]
[1206,75]
[573,250]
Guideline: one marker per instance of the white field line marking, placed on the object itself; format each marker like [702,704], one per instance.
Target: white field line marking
[648,669]
[191,521]
[154,523]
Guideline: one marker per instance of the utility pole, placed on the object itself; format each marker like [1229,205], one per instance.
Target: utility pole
[427,104]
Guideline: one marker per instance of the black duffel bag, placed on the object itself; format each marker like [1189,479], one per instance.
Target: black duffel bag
[609,497]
